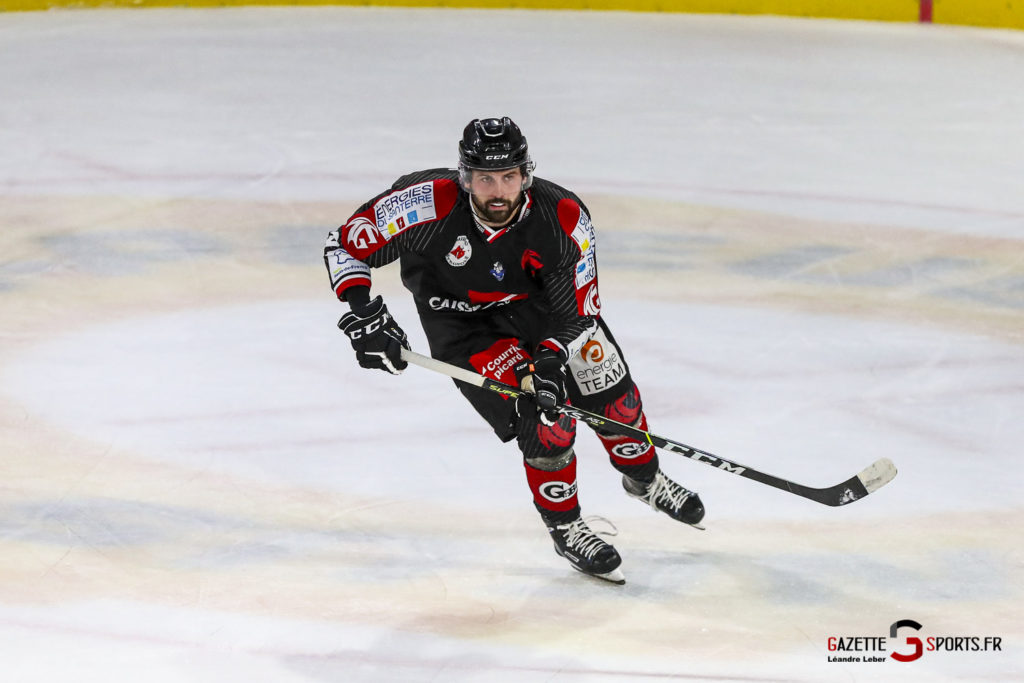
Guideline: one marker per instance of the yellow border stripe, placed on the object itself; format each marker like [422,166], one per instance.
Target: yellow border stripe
[992,13]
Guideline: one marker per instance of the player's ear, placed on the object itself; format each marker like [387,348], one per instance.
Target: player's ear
[527,171]
[465,177]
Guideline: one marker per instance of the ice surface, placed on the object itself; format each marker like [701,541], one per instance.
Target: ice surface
[810,236]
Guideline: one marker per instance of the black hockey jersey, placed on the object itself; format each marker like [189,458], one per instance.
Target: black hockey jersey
[452,264]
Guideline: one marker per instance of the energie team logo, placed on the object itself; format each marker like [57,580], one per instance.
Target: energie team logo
[598,365]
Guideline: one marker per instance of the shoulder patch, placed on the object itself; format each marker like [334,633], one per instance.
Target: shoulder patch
[577,225]
[420,203]
[404,208]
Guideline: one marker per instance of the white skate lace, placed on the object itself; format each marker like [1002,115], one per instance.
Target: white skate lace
[583,539]
[668,491]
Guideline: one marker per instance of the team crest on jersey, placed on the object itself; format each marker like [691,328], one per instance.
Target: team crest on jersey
[460,252]
[401,210]
[498,271]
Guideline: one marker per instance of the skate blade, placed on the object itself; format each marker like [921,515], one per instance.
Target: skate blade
[614,576]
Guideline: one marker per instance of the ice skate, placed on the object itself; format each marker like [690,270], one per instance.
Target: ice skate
[586,551]
[669,497]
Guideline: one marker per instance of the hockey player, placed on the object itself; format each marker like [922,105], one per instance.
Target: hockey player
[503,270]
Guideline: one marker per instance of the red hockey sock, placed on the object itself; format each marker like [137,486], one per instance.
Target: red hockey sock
[628,452]
[553,491]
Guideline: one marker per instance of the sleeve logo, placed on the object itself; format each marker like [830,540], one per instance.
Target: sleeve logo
[585,276]
[586,270]
[592,302]
[401,210]
[345,267]
[583,235]
[362,234]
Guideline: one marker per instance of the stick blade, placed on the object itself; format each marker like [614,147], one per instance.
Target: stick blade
[871,478]
[877,474]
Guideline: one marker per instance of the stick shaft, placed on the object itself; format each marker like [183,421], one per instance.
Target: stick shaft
[870,479]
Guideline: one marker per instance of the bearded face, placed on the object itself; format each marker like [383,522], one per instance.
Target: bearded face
[496,195]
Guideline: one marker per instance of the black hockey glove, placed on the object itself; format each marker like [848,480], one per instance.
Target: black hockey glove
[376,337]
[547,384]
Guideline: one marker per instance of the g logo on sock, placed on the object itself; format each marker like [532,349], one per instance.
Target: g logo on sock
[557,491]
[630,450]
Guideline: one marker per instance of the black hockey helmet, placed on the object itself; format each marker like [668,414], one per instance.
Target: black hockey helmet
[494,145]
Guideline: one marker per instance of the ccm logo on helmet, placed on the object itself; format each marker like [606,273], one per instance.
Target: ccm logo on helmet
[557,491]
[496,157]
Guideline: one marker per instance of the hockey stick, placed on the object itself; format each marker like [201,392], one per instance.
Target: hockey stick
[870,479]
